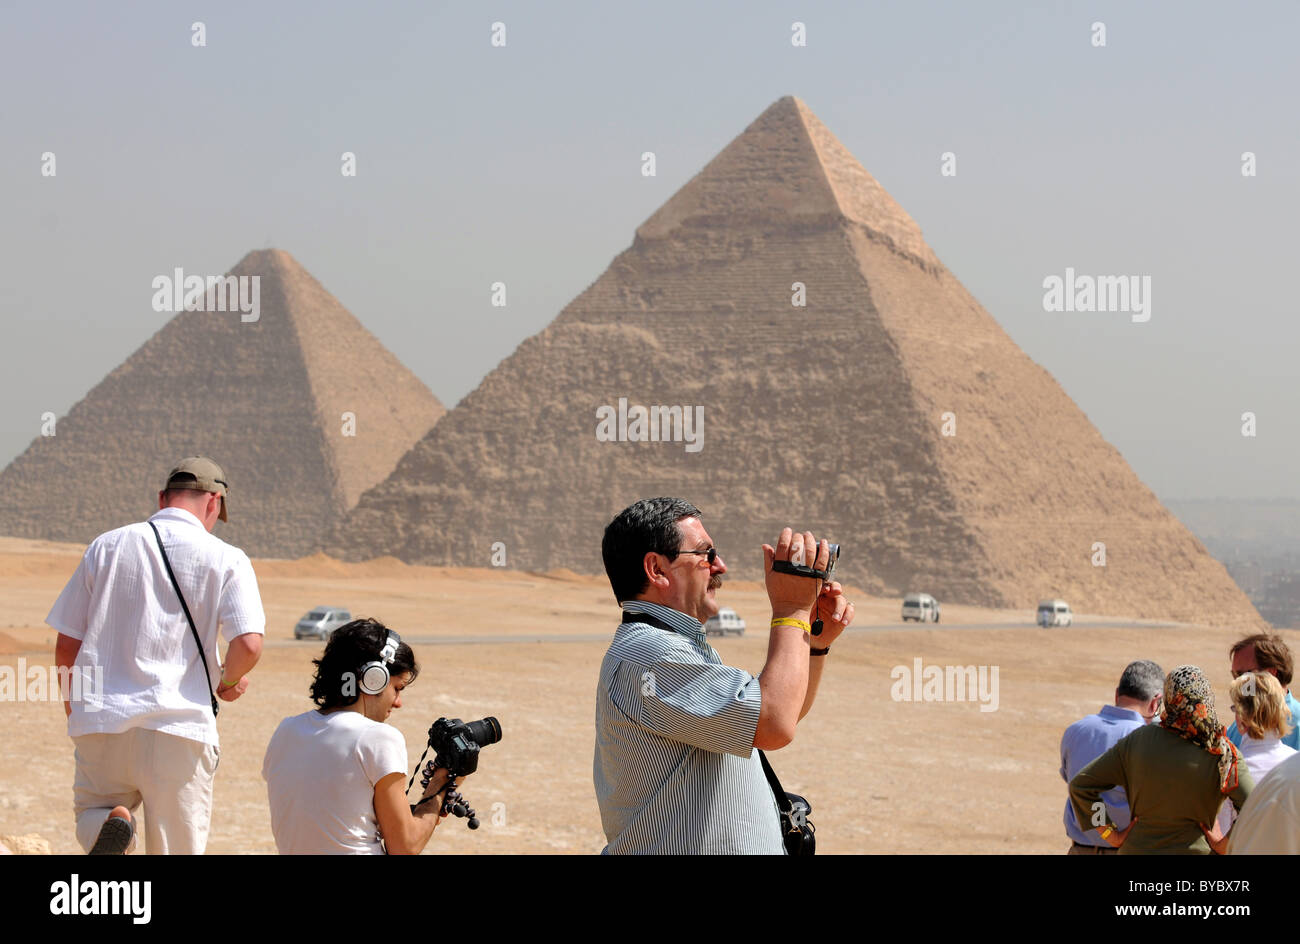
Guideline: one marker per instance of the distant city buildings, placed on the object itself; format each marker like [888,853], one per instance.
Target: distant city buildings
[1273,585]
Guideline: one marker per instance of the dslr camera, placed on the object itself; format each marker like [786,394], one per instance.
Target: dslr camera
[455,745]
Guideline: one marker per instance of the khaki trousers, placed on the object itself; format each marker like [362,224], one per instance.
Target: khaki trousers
[172,776]
[1079,848]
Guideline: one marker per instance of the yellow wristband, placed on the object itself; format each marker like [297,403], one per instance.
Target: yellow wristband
[790,621]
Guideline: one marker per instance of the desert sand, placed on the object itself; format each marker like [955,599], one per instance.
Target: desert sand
[883,776]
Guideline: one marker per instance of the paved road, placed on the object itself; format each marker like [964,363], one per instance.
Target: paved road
[605,637]
[1078,624]
[464,640]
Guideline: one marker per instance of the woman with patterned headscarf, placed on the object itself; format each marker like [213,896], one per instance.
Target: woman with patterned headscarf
[1175,773]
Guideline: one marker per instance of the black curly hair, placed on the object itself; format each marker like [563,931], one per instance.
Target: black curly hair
[351,646]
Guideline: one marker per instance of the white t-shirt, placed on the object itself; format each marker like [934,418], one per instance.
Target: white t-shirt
[1270,821]
[138,660]
[1261,757]
[320,773]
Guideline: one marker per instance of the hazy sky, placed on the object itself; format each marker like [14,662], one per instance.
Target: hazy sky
[522,164]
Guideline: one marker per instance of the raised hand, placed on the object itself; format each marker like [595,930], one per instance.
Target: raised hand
[789,594]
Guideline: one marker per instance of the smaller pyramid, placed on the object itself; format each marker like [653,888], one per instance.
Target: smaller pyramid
[269,400]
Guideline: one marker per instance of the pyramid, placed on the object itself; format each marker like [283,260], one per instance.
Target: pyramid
[264,397]
[830,416]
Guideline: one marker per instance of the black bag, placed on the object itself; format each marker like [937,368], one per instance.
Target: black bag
[207,677]
[797,830]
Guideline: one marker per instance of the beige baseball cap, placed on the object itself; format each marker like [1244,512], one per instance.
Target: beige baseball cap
[200,474]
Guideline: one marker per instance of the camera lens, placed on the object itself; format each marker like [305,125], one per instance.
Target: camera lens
[485,732]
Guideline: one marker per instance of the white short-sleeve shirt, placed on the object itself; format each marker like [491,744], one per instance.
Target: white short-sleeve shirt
[320,772]
[138,663]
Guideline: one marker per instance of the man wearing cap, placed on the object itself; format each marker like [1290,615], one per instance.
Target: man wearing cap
[150,733]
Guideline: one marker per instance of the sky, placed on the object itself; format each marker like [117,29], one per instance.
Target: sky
[521,163]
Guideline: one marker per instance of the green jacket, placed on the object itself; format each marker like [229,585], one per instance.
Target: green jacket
[1172,787]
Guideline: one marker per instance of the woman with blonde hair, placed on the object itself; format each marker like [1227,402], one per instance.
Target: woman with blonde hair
[1263,718]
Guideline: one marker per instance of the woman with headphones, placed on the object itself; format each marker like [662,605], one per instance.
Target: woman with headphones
[336,776]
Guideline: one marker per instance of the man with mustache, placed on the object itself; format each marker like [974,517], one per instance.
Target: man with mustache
[676,766]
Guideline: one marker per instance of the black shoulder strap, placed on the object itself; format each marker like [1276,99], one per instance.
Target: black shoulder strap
[656,622]
[782,798]
[207,676]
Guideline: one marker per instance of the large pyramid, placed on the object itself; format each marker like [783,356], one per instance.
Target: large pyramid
[265,398]
[829,415]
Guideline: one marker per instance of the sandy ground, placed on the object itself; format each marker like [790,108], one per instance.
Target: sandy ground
[883,775]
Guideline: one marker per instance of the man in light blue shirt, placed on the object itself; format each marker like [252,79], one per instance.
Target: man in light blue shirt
[1266,652]
[678,732]
[1137,702]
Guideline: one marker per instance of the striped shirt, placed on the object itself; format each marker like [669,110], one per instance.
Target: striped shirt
[676,770]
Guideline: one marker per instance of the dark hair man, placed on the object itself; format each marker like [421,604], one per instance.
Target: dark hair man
[336,776]
[1137,702]
[676,770]
[1266,652]
[150,735]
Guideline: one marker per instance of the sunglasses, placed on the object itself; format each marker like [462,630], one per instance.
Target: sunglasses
[711,553]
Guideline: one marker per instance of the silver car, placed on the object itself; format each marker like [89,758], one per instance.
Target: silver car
[320,622]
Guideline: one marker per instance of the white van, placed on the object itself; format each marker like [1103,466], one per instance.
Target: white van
[920,607]
[724,623]
[1054,613]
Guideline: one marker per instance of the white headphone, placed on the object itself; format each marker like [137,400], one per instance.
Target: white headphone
[375,675]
